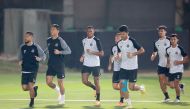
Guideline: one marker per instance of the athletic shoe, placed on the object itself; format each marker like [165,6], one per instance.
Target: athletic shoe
[166,100]
[62,99]
[120,104]
[176,100]
[142,89]
[97,103]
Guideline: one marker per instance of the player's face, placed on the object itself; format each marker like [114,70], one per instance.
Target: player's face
[117,38]
[27,38]
[174,40]
[90,32]
[124,35]
[54,31]
[162,32]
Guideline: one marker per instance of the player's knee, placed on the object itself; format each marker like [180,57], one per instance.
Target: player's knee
[24,89]
[131,88]
[85,82]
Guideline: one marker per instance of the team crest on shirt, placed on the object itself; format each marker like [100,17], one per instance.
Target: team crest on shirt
[32,51]
[91,44]
[127,45]
[176,52]
[165,44]
[48,44]
[24,51]
[56,45]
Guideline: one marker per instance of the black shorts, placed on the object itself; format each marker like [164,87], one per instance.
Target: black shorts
[57,70]
[115,77]
[130,75]
[28,78]
[94,70]
[175,76]
[163,70]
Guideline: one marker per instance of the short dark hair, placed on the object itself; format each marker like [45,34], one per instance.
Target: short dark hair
[90,27]
[174,35]
[162,27]
[30,33]
[123,28]
[56,26]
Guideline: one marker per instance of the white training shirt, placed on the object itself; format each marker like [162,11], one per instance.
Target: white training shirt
[174,54]
[93,44]
[129,45]
[116,63]
[160,47]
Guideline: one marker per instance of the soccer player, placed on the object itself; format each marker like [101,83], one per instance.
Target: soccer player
[176,57]
[128,50]
[91,61]
[57,48]
[114,59]
[160,48]
[29,56]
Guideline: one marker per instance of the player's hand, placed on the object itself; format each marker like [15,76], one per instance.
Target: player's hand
[177,62]
[20,63]
[152,58]
[130,55]
[82,59]
[168,65]
[89,51]
[38,58]
[109,68]
[56,51]
[117,58]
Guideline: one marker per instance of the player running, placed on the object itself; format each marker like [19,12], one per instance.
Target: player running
[91,61]
[57,48]
[29,56]
[176,57]
[160,48]
[129,49]
[114,59]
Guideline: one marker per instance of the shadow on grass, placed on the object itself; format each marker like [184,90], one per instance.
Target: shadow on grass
[178,104]
[54,106]
[92,107]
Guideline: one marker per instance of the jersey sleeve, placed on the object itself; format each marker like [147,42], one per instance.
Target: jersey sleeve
[20,53]
[135,44]
[183,53]
[66,49]
[99,44]
[155,48]
[118,49]
[41,53]
[111,51]
[167,53]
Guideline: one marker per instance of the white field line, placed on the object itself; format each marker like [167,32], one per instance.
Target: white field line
[143,101]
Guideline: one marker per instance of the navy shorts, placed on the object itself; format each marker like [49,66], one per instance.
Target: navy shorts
[56,70]
[28,78]
[175,76]
[94,70]
[130,75]
[163,70]
[115,77]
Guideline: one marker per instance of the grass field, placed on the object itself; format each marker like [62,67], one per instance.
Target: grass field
[79,96]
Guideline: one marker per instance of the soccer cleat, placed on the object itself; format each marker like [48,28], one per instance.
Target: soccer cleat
[62,100]
[97,103]
[166,100]
[31,105]
[120,104]
[176,100]
[36,91]
[142,89]
[129,104]
[182,86]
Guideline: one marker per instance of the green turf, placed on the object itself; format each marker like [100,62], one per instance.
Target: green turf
[75,90]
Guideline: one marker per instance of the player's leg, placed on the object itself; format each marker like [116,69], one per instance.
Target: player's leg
[85,75]
[25,87]
[177,80]
[24,82]
[32,93]
[96,74]
[60,80]
[132,82]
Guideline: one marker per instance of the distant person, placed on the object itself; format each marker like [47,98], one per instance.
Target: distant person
[91,61]
[30,54]
[176,57]
[114,59]
[129,49]
[57,48]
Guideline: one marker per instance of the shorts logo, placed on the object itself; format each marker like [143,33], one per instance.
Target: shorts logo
[24,51]
[32,51]
[56,45]
[178,76]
